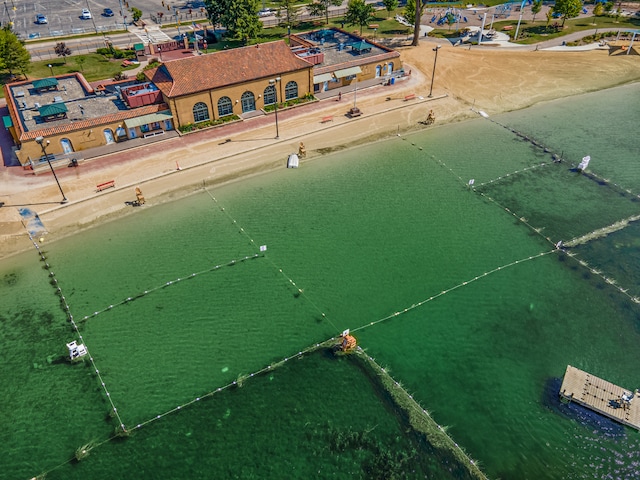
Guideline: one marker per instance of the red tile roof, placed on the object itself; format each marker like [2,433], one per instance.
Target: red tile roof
[228,67]
[93,122]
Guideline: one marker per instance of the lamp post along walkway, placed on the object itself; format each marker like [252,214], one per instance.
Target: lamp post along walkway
[434,69]
[273,82]
[41,142]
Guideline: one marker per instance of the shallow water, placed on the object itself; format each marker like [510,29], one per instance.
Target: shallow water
[352,239]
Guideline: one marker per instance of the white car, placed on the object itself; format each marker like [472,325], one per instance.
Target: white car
[265,12]
[86,14]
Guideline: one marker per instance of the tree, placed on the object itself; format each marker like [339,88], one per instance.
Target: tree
[359,13]
[450,19]
[14,57]
[409,10]
[241,19]
[567,8]
[287,13]
[598,10]
[414,9]
[215,11]
[390,5]
[321,7]
[62,50]
[536,6]
[136,14]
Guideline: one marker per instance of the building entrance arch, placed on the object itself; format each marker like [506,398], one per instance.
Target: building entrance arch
[248,102]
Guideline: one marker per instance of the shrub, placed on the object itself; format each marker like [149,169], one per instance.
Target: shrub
[190,127]
[289,103]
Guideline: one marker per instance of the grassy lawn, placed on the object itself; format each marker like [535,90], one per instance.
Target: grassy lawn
[531,33]
[538,32]
[92,66]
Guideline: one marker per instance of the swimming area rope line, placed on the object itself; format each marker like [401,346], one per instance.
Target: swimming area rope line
[169,283]
[67,311]
[300,291]
[448,290]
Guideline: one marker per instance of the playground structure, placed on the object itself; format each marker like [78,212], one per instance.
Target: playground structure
[504,10]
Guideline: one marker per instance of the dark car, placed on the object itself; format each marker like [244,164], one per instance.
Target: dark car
[107,12]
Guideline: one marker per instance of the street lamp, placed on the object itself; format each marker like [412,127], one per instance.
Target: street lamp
[91,16]
[40,141]
[175,12]
[273,82]
[50,68]
[434,69]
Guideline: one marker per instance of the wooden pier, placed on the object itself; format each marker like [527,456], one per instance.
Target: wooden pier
[604,397]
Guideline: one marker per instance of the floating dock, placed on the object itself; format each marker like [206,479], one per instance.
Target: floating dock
[604,397]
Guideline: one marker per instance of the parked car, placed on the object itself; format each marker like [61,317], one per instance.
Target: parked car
[86,14]
[265,12]
[107,12]
[41,19]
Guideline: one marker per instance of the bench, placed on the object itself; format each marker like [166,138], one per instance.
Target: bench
[153,134]
[409,97]
[328,118]
[105,185]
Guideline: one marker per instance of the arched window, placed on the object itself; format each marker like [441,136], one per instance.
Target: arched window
[108,135]
[390,68]
[67,147]
[248,102]
[225,107]
[378,70]
[200,112]
[270,95]
[291,90]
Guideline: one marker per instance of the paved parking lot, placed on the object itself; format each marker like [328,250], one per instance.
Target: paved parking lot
[64,16]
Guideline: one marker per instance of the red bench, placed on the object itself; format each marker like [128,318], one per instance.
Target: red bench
[410,97]
[328,118]
[105,185]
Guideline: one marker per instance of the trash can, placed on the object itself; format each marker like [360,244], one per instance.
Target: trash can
[393,80]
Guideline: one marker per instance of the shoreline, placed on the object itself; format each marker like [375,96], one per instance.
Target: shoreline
[493,81]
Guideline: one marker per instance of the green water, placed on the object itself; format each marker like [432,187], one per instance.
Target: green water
[177,302]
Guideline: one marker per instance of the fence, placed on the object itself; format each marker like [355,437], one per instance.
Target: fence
[274,22]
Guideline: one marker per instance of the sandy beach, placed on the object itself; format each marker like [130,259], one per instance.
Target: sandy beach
[467,79]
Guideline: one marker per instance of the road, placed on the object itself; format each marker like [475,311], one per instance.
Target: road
[64,17]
